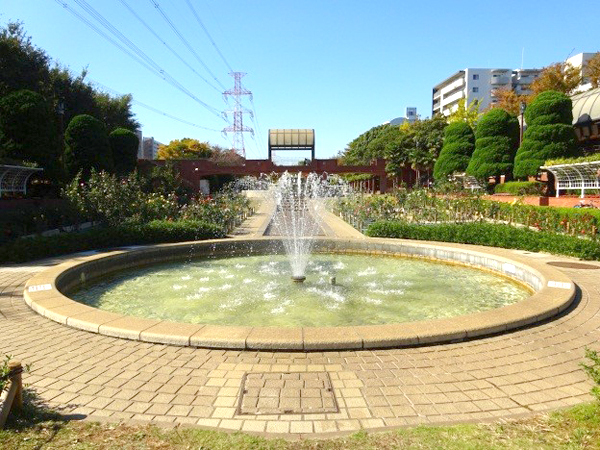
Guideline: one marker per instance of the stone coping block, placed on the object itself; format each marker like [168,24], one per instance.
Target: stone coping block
[552,292]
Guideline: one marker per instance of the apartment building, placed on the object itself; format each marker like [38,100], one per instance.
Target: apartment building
[479,84]
[150,148]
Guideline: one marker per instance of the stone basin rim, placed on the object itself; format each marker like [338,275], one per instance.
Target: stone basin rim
[553,293]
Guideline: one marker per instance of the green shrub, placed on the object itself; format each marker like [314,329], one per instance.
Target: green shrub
[124,147]
[519,188]
[86,146]
[549,133]
[496,142]
[158,231]
[28,131]
[494,235]
[593,370]
[459,143]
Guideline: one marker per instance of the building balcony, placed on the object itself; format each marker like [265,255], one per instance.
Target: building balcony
[497,81]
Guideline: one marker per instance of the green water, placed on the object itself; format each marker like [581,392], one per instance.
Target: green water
[257,291]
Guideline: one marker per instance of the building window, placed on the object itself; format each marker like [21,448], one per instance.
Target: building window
[475,89]
[476,76]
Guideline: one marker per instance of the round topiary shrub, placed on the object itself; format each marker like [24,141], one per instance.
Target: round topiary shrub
[86,146]
[124,148]
[549,133]
[496,142]
[456,151]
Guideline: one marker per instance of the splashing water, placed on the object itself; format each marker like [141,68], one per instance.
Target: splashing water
[299,204]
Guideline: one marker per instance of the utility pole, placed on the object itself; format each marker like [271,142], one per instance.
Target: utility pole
[237,128]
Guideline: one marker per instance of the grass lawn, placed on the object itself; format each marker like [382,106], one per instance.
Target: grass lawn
[575,428]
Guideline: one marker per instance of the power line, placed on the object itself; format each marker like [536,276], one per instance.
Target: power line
[149,28]
[208,35]
[185,42]
[151,108]
[138,54]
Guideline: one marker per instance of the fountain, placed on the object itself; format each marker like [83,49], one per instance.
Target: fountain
[299,202]
[351,294]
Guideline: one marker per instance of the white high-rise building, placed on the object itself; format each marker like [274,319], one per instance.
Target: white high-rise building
[479,84]
[580,61]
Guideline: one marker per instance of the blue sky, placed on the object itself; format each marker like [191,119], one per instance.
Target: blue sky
[339,67]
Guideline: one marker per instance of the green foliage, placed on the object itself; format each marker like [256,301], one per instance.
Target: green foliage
[28,130]
[519,188]
[418,146]
[30,219]
[459,142]
[593,370]
[27,249]
[124,147]
[111,200]
[494,235]
[420,206]
[361,150]
[549,133]
[496,142]
[591,158]
[466,113]
[87,146]
[25,66]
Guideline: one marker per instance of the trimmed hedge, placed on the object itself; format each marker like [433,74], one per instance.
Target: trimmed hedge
[496,142]
[549,133]
[158,231]
[86,146]
[493,235]
[459,142]
[519,188]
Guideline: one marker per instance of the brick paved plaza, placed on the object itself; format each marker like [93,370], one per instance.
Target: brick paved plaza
[90,376]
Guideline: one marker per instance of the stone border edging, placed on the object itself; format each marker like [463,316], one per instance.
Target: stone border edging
[554,292]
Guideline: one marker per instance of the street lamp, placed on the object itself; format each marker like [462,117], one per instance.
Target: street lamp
[522,108]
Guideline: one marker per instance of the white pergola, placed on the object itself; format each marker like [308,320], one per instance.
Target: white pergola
[576,176]
[13,179]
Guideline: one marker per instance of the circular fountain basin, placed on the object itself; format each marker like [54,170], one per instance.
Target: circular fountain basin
[48,293]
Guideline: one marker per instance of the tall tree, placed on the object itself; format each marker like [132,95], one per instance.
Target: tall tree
[360,150]
[559,77]
[509,101]
[592,70]
[124,148]
[28,131]
[466,113]
[459,142]
[496,142]
[185,148]
[87,146]
[549,133]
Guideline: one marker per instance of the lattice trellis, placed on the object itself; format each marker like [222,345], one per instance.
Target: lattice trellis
[13,179]
[578,176]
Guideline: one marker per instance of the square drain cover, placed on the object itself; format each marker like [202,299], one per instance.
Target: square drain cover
[287,393]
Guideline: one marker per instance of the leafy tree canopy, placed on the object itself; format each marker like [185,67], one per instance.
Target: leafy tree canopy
[28,131]
[466,113]
[25,66]
[186,148]
[592,70]
[560,77]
